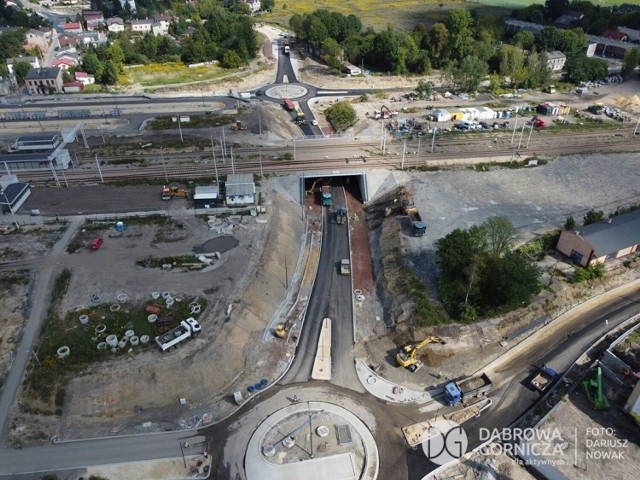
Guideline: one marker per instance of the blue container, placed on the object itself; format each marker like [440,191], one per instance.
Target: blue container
[264,382]
[258,386]
[250,389]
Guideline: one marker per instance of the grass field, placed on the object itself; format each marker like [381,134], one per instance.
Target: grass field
[402,14]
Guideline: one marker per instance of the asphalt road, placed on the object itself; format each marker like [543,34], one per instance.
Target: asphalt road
[331,298]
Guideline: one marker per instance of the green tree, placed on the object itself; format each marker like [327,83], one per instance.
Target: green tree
[500,234]
[455,249]
[460,24]
[341,115]
[109,74]
[21,69]
[424,89]
[116,55]
[438,38]
[470,72]
[524,39]
[592,216]
[231,59]
[91,64]
[12,42]
[317,33]
[508,282]
[580,68]
[511,60]
[572,42]
[332,54]
[570,224]
[631,61]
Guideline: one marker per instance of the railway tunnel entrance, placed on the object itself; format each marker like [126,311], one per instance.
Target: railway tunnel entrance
[353,182]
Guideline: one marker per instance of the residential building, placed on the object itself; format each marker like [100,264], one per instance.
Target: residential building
[115,24]
[556,60]
[44,80]
[131,4]
[602,241]
[37,38]
[514,26]
[628,8]
[64,63]
[165,21]
[68,39]
[92,19]
[72,27]
[141,26]
[615,35]
[254,5]
[72,87]
[92,38]
[85,78]
[632,34]
[240,189]
[568,19]
[32,60]
[157,29]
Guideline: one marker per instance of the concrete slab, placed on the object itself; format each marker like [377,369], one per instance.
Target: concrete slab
[322,363]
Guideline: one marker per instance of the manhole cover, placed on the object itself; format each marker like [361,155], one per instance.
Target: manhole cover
[343,434]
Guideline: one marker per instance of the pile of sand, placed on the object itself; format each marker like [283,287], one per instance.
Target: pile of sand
[630,104]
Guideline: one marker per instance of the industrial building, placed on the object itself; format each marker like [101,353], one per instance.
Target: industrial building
[240,190]
[12,193]
[36,142]
[602,241]
[207,197]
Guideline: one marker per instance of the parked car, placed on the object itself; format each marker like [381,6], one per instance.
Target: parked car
[96,243]
[314,123]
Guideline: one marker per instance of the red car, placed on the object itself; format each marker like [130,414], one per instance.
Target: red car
[96,243]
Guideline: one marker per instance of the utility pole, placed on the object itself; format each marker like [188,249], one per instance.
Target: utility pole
[433,139]
[404,150]
[183,459]
[294,148]
[521,134]
[180,129]
[233,168]
[513,135]
[260,159]
[418,152]
[215,165]
[13,215]
[530,132]
[99,171]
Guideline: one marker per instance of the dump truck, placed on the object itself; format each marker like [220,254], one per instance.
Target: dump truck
[238,125]
[341,216]
[327,200]
[188,328]
[288,104]
[345,267]
[418,227]
[543,378]
[462,390]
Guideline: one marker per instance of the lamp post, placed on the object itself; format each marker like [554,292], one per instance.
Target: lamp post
[182,451]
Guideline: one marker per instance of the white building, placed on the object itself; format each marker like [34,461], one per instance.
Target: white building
[132,5]
[240,189]
[115,24]
[556,60]
[441,115]
[254,5]
[141,26]
[32,60]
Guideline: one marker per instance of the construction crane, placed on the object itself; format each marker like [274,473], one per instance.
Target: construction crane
[407,356]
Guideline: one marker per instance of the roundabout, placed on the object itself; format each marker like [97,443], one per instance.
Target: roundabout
[314,441]
[286,90]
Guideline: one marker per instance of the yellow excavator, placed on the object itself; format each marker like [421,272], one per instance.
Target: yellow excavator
[407,356]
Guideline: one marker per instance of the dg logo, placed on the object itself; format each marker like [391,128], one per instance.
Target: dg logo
[447,441]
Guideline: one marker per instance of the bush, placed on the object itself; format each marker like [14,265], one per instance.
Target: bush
[341,116]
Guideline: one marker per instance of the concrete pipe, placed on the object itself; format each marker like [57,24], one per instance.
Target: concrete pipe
[84,319]
[288,442]
[322,431]
[178,299]
[102,346]
[193,304]
[144,339]
[166,295]
[134,340]
[195,309]
[63,352]
[169,302]
[100,328]
[122,297]
[155,295]
[123,342]
[129,333]
[357,291]
[111,340]
[152,318]
[115,350]
[268,451]
[95,298]
[115,307]
[360,298]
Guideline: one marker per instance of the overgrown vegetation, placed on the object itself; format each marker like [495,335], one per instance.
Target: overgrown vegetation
[537,249]
[195,121]
[341,116]
[426,313]
[582,274]
[12,279]
[481,276]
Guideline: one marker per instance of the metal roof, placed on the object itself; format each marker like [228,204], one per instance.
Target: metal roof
[10,194]
[207,192]
[614,234]
[240,184]
[22,157]
[37,138]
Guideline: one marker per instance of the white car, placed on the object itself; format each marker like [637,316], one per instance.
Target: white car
[314,122]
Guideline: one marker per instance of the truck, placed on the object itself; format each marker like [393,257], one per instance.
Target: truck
[462,390]
[188,328]
[345,267]
[298,110]
[543,379]
[327,200]
[418,227]
[538,122]
[169,192]
[341,216]
[288,104]
[285,47]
